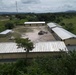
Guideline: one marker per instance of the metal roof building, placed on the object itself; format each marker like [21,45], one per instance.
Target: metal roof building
[5,32]
[63,34]
[42,22]
[54,46]
[53,25]
[10,51]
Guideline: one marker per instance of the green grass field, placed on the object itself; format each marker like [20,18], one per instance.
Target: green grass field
[22,21]
[71,20]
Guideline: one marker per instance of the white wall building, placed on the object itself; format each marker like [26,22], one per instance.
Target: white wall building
[53,25]
[5,32]
[10,50]
[34,23]
[64,35]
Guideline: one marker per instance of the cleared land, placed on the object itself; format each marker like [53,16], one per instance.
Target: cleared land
[34,37]
[29,32]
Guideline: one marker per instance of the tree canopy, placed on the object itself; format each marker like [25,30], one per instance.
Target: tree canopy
[9,25]
[63,65]
[26,44]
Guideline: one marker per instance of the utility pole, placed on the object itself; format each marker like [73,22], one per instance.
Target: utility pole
[16,7]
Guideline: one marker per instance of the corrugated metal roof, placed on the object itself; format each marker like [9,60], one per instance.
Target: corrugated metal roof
[53,25]
[42,22]
[63,34]
[5,32]
[55,46]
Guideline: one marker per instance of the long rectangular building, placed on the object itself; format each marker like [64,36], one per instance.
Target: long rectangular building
[66,36]
[10,50]
[54,46]
[53,25]
[5,32]
[35,23]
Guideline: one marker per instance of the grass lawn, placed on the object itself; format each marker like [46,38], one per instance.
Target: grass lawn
[71,20]
[22,21]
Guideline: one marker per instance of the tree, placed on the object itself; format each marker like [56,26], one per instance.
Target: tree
[9,25]
[26,44]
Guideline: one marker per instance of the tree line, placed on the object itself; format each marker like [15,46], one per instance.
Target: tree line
[56,17]
[47,17]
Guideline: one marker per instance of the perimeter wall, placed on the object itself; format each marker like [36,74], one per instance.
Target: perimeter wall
[30,55]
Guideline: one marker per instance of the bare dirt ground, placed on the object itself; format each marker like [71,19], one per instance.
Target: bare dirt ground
[34,37]
[30,32]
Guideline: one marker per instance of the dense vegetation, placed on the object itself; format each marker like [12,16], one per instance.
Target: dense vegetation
[9,25]
[63,65]
[67,20]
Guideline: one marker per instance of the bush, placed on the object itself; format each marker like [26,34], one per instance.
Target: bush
[62,24]
[9,25]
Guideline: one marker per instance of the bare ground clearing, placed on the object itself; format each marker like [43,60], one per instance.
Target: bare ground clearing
[34,37]
[30,32]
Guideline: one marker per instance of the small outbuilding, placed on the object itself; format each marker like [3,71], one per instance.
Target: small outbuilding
[6,32]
